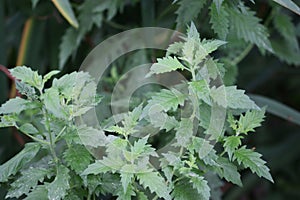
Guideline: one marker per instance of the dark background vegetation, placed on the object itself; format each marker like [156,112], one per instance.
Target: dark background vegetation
[267,75]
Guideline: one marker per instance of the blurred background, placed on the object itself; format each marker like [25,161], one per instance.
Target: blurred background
[47,35]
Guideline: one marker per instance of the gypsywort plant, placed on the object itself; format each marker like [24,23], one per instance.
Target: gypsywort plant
[201,124]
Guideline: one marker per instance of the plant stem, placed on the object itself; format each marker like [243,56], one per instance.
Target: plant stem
[242,55]
[36,139]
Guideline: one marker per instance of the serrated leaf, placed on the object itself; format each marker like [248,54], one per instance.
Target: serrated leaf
[27,182]
[71,84]
[251,120]
[218,4]
[201,186]
[219,20]
[26,75]
[252,160]
[162,120]
[174,48]
[90,13]
[53,104]
[58,188]
[91,136]
[126,179]
[201,88]
[164,100]
[184,132]
[166,64]
[212,45]
[183,190]
[125,195]
[28,128]
[66,10]
[25,89]
[96,168]
[231,144]
[15,105]
[201,146]
[188,10]
[229,171]
[16,163]
[40,193]
[289,4]
[232,97]
[243,22]
[77,158]
[155,183]
[283,24]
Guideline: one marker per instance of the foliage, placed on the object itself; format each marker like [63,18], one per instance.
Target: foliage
[58,34]
[66,167]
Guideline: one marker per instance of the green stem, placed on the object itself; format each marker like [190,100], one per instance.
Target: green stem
[37,139]
[52,142]
[60,133]
[243,54]
[193,73]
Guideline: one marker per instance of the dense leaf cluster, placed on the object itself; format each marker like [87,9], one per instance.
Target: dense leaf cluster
[207,119]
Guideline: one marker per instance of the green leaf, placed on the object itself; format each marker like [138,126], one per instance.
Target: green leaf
[212,45]
[219,20]
[252,160]
[218,4]
[289,5]
[278,109]
[40,192]
[232,97]
[283,24]
[243,21]
[201,186]
[162,120]
[77,158]
[34,3]
[155,183]
[251,120]
[27,182]
[141,196]
[49,75]
[53,104]
[174,48]
[26,75]
[184,132]
[201,146]
[16,163]
[183,190]
[66,84]
[66,10]
[125,195]
[126,179]
[90,13]
[96,168]
[91,136]
[58,188]
[229,171]
[25,89]
[166,64]
[188,10]
[201,88]
[165,100]
[231,144]
[15,105]
[28,129]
